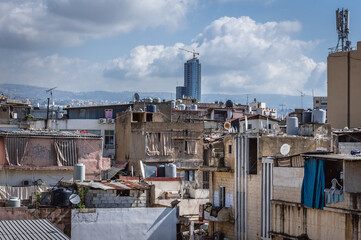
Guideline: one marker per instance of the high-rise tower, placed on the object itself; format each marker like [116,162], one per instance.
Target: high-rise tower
[192,79]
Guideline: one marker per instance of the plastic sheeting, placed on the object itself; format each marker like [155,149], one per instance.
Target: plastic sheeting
[313,186]
[191,147]
[66,154]
[15,149]
[159,144]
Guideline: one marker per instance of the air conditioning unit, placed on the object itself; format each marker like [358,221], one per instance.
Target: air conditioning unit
[26,183]
[102,120]
[111,120]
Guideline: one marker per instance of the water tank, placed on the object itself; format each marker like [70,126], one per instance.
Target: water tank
[318,116]
[292,126]
[150,171]
[307,117]
[60,197]
[194,107]
[170,170]
[173,104]
[182,107]
[156,100]
[148,99]
[229,103]
[14,202]
[79,172]
[151,108]
[160,171]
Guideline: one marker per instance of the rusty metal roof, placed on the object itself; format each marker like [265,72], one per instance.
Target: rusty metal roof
[114,185]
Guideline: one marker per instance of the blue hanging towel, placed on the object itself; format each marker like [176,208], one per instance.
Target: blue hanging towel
[313,185]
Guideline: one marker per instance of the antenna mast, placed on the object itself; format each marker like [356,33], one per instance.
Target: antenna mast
[343,29]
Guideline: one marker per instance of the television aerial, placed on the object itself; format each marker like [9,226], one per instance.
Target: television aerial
[136,97]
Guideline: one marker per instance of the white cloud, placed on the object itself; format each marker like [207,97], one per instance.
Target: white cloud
[47,23]
[238,56]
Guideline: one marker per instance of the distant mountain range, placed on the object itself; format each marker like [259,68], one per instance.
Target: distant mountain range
[39,95]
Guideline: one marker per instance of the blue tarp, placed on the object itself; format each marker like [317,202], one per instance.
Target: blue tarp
[313,186]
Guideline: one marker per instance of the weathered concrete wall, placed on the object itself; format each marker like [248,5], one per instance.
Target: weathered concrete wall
[109,199]
[124,223]
[293,220]
[270,145]
[287,183]
[347,147]
[254,203]
[165,186]
[352,176]
[50,177]
[187,207]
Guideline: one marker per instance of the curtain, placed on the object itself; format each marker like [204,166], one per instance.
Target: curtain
[15,149]
[313,185]
[66,154]
[159,144]
[191,147]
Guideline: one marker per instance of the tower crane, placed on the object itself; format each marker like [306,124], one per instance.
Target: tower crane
[194,52]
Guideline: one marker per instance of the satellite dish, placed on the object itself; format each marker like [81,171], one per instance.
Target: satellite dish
[74,199]
[276,128]
[136,97]
[285,149]
[227,125]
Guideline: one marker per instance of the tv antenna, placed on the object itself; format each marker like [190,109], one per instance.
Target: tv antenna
[283,110]
[302,95]
[343,29]
[194,52]
[52,101]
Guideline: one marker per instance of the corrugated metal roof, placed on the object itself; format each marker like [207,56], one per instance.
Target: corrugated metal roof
[114,185]
[30,229]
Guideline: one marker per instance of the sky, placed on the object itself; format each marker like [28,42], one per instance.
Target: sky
[245,46]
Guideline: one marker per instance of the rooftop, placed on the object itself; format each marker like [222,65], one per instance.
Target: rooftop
[113,185]
[30,229]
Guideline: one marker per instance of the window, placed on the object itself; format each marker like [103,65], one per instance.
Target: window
[190,147]
[249,127]
[109,138]
[189,175]
[205,180]
[229,149]
[123,193]
[149,117]
[252,156]
[222,196]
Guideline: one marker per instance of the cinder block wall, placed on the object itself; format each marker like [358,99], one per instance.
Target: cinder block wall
[109,199]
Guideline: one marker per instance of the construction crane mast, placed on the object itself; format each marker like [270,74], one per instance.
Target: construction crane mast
[194,52]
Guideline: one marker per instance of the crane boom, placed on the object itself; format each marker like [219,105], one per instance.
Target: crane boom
[194,52]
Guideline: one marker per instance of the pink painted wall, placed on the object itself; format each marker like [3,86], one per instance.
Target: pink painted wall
[40,152]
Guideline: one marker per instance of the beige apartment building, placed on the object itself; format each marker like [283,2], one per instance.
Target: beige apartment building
[344,88]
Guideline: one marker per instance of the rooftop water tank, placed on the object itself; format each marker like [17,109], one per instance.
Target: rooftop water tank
[79,172]
[173,104]
[156,100]
[194,107]
[318,116]
[148,99]
[14,202]
[307,117]
[60,197]
[182,107]
[170,170]
[292,126]
[160,171]
[151,108]
[150,171]
[229,103]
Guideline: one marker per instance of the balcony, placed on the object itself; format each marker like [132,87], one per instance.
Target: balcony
[218,215]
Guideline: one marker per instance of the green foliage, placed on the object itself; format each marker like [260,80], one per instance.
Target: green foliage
[82,191]
[29,116]
[38,196]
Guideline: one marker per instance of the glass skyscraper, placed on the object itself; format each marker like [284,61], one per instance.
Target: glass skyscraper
[192,79]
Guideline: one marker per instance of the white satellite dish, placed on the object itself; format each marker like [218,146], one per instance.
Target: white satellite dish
[285,149]
[74,199]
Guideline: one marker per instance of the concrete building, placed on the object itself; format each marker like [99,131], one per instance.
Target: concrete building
[32,158]
[320,102]
[240,190]
[343,88]
[260,108]
[255,124]
[192,81]
[152,138]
